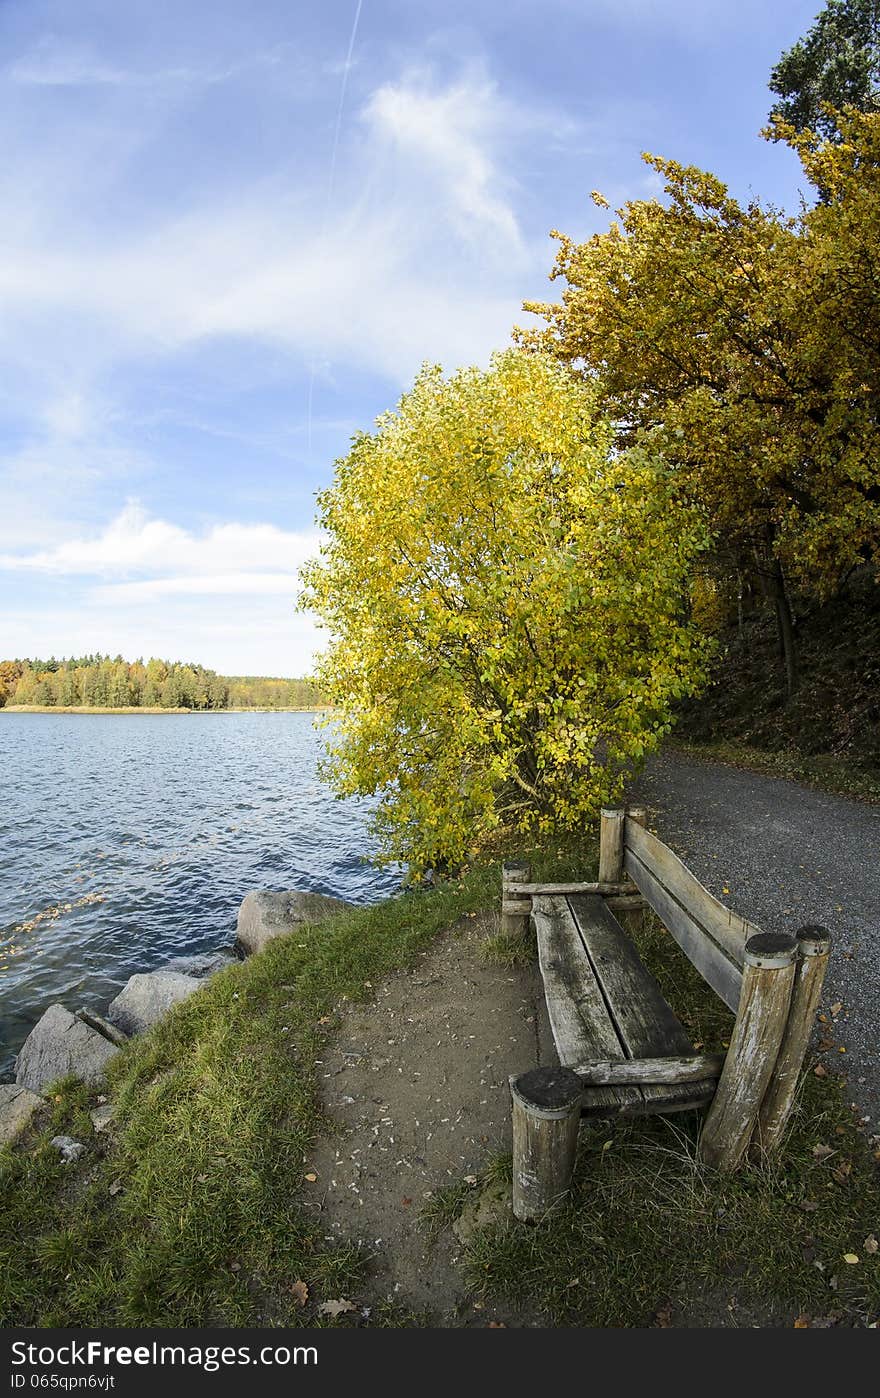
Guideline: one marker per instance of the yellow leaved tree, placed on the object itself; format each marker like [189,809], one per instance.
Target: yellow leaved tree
[748,345]
[504,595]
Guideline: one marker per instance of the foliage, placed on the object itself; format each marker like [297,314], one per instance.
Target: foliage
[748,345]
[97,681]
[505,600]
[262,692]
[836,64]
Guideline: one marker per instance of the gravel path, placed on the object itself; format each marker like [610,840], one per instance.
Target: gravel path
[784,855]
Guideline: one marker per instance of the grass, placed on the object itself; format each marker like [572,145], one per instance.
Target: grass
[190,1210]
[823,771]
[651,1237]
[194,1208]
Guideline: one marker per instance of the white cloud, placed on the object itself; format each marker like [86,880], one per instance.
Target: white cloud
[178,559]
[143,586]
[207,585]
[422,258]
[451,131]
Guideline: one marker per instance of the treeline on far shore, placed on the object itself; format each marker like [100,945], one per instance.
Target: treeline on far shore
[105,682]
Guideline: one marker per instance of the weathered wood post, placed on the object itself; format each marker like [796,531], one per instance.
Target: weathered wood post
[516,909]
[611,845]
[768,974]
[814,947]
[546,1117]
[638,815]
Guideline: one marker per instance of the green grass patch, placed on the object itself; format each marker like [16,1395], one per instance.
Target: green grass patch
[824,772]
[190,1210]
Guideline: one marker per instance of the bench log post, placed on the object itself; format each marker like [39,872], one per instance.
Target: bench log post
[768,975]
[611,846]
[516,908]
[814,946]
[546,1117]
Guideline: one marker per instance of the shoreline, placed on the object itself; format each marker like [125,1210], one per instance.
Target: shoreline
[157,709]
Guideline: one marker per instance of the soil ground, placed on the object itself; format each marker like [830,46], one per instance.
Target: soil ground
[416,1085]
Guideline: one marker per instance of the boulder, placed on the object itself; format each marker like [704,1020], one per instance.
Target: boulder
[60,1044]
[17,1106]
[201,965]
[147,997]
[264,916]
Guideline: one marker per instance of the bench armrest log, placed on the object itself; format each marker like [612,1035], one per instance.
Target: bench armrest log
[814,947]
[769,966]
[622,1072]
[516,904]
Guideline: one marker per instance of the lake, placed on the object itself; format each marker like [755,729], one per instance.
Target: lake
[152,828]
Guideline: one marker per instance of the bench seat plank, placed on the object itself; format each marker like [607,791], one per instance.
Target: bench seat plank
[595,1006]
[644,1021]
[582,1027]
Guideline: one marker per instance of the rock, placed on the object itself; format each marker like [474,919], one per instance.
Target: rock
[17,1106]
[491,1206]
[102,1116]
[103,1026]
[147,997]
[201,966]
[264,916]
[58,1045]
[68,1148]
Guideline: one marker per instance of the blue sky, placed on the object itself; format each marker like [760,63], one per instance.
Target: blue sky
[226,248]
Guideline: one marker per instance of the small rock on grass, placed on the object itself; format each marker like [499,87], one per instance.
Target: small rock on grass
[69,1149]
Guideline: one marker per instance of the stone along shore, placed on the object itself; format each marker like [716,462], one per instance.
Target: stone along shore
[81,1044]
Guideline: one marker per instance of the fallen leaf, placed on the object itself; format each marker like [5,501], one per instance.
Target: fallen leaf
[335,1308]
[116,1186]
[835,1009]
[809,1206]
[851,1257]
[235,1266]
[820,1071]
[470,1179]
[300,1292]
[802,1322]
[822,1152]
[663,1318]
[406,1203]
[843,1171]
[311,1177]
[494,1324]
[870,1244]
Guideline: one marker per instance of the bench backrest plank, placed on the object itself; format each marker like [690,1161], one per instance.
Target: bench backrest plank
[724,926]
[714,962]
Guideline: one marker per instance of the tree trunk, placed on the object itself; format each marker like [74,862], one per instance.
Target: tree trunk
[784,626]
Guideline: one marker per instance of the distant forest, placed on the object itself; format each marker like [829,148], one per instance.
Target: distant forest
[105,682]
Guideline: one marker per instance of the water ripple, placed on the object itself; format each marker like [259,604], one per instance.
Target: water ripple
[168,822]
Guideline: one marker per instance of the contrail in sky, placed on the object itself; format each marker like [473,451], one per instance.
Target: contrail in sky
[330,183]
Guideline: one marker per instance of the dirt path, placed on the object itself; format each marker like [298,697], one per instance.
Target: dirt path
[784,855]
[417,1085]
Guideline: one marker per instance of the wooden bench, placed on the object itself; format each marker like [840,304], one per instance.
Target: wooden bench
[622,1051]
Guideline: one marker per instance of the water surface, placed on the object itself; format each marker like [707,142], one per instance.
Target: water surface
[152,827]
